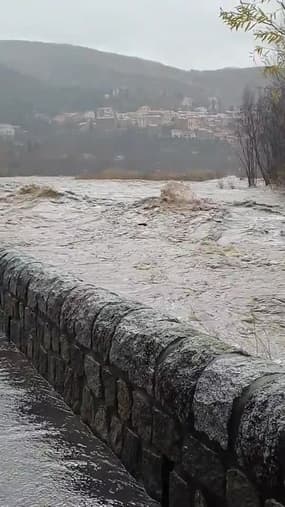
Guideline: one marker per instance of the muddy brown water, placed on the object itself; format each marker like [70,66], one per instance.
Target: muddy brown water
[221,267]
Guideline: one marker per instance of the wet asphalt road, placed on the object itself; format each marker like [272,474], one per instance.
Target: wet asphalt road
[48,457]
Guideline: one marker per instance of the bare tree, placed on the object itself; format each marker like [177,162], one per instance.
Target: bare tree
[270,121]
[247,136]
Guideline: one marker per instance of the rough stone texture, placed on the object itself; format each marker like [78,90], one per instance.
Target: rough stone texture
[87,407]
[11,273]
[101,424]
[43,360]
[124,400]
[16,332]
[116,435]
[58,293]
[93,376]
[260,441]
[239,491]
[55,340]
[77,360]
[59,375]
[142,380]
[142,416]
[106,324]
[29,272]
[220,384]
[38,290]
[166,436]
[199,499]
[139,340]
[72,390]
[47,336]
[179,493]
[86,314]
[273,503]
[178,372]
[110,392]
[200,462]
[9,258]
[131,452]
[74,300]
[65,349]
[152,473]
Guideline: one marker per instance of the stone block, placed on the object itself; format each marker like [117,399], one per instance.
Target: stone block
[110,391]
[21,311]
[30,321]
[220,384]
[116,435]
[30,347]
[43,361]
[239,491]
[36,351]
[260,440]
[7,304]
[273,503]
[87,313]
[202,464]
[65,349]
[106,324]
[59,374]
[166,436]
[138,343]
[55,339]
[73,387]
[32,270]
[179,491]
[51,368]
[124,400]
[13,267]
[199,499]
[16,332]
[10,257]
[179,369]
[73,301]
[100,424]
[58,293]
[14,308]
[87,406]
[77,360]
[47,337]
[152,473]
[92,371]
[40,330]
[142,416]
[131,453]
[38,290]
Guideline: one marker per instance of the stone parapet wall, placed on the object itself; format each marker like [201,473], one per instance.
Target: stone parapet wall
[199,423]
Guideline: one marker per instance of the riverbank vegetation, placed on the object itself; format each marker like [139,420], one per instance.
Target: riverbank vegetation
[261,126]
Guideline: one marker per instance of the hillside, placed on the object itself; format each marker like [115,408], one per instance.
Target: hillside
[54,77]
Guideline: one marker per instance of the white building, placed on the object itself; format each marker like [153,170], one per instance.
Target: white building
[7,131]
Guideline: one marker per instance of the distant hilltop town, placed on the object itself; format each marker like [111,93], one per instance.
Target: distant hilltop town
[207,123]
[201,122]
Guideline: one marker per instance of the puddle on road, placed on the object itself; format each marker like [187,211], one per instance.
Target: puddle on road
[48,457]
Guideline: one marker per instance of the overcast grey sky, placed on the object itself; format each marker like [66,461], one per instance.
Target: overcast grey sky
[184,33]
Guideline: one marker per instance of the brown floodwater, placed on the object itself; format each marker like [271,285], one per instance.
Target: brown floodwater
[219,264]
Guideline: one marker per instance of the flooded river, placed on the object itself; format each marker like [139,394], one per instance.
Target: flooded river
[219,264]
[48,457]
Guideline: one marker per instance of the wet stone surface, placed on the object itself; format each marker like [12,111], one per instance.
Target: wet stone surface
[48,457]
